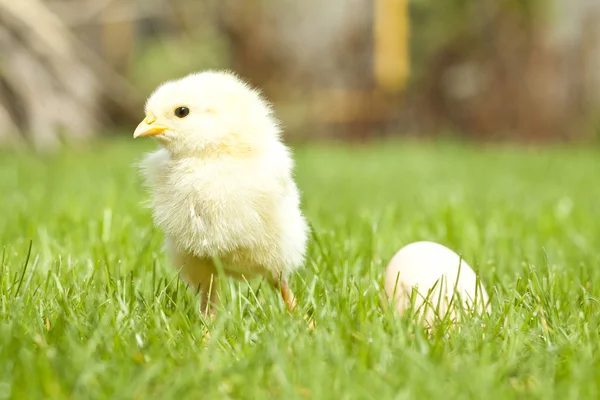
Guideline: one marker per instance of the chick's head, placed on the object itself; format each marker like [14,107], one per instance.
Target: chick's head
[208,112]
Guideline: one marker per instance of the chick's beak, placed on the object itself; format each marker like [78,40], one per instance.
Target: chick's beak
[148,127]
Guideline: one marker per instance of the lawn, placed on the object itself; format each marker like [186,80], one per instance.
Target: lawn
[95,311]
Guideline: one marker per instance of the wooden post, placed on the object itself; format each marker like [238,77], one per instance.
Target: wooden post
[117,34]
[391,44]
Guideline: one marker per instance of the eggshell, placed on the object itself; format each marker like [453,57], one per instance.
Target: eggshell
[427,265]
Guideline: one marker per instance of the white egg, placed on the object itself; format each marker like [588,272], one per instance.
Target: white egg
[438,274]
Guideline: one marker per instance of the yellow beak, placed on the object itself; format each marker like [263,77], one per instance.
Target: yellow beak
[148,128]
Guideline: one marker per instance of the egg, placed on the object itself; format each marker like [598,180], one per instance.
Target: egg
[436,273]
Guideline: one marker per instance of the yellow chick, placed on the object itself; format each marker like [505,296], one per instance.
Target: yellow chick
[221,184]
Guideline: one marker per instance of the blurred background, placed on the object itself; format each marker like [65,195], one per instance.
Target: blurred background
[486,70]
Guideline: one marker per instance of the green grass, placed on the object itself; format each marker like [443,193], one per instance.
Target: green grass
[96,311]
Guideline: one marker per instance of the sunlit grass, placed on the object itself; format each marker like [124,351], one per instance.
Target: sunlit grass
[96,312]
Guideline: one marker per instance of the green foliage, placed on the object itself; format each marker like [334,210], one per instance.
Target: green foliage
[465,26]
[160,59]
[96,312]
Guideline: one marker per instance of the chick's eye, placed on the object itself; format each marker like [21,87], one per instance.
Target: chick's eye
[182,112]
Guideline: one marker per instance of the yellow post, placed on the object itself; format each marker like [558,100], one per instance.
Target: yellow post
[391,48]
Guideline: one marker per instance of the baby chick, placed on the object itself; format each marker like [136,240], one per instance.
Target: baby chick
[221,183]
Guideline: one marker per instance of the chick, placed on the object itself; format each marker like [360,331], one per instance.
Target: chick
[221,184]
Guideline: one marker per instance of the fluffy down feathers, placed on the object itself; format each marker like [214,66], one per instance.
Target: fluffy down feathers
[222,182]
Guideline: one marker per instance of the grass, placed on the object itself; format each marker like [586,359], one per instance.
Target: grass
[96,312]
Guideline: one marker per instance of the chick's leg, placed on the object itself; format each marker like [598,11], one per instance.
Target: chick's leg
[281,284]
[200,275]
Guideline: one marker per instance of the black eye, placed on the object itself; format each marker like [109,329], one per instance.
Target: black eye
[182,112]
